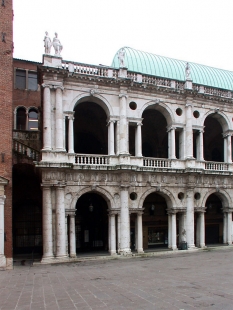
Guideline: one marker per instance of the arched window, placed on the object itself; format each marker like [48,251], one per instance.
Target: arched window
[32,120]
[21,119]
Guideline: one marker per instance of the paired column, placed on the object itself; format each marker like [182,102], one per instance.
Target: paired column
[172,227]
[189,131]
[72,236]
[60,223]
[111,141]
[47,223]
[138,140]
[139,232]
[125,225]
[59,120]
[200,146]
[47,119]
[190,218]
[71,134]
[200,229]
[112,232]
[227,148]
[172,143]
[2,256]
[123,126]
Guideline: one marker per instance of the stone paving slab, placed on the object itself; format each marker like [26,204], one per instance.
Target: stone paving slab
[197,280]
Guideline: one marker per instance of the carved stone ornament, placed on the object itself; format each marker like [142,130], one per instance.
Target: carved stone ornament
[57,45]
[121,57]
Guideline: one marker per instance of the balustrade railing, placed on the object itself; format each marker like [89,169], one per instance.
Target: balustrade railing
[24,149]
[156,162]
[216,166]
[83,159]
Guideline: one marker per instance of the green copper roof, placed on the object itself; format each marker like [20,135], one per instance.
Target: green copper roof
[146,63]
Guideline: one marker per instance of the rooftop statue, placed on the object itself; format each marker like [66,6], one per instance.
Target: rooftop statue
[47,43]
[187,72]
[57,45]
[121,57]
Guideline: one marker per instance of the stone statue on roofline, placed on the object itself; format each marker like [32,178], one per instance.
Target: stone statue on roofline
[121,57]
[57,45]
[47,43]
[187,72]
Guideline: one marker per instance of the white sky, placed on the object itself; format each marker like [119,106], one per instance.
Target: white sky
[91,31]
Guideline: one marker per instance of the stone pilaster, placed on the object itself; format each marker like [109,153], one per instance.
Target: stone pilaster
[47,137]
[189,132]
[111,141]
[47,223]
[59,120]
[123,126]
[190,218]
[125,225]
[139,232]
[172,142]
[112,232]
[72,236]
[60,223]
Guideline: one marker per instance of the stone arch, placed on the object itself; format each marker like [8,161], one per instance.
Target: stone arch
[98,190]
[168,196]
[96,98]
[221,117]
[162,108]
[222,195]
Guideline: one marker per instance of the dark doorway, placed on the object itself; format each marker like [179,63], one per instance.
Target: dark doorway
[91,223]
[27,210]
[213,220]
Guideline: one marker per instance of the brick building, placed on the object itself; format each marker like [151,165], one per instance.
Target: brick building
[6,86]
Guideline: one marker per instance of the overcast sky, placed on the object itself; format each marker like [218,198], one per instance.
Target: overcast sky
[92,31]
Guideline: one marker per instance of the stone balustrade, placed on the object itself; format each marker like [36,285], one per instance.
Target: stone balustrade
[82,159]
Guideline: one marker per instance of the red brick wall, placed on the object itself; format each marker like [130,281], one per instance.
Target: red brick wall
[6,85]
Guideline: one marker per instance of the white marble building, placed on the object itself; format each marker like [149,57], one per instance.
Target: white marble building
[135,157]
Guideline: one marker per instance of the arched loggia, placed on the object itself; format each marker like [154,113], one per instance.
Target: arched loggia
[91,223]
[90,130]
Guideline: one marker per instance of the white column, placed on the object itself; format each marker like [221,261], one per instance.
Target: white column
[190,218]
[202,229]
[182,143]
[47,223]
[59,120]
[125,225]
[123,126]
[138,140]
[47,119]
[111,141]
[66,233]
[229,153]
[118,232]
[229,228]
[139,233]
[173,222]
[189,131]
[172,143]
[71,134]
[198,230]
[169,231]
[2,256]
[113,233]
[182,231]
[224,227]
[60,223]
[72,236]
[200,146]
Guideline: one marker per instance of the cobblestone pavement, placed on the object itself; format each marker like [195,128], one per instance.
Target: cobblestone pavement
[197,280]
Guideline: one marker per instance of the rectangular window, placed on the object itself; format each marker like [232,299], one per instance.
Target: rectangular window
[25,79]
[20,79]
[32,80]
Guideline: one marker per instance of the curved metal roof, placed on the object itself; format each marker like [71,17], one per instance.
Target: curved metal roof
[146,63]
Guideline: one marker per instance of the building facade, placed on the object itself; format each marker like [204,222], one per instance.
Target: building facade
[135,156]
[6,82]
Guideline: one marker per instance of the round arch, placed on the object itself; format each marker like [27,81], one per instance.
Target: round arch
[222,195]
[96,98]
[162,108]
[167,195]
[102,192]
[220,117]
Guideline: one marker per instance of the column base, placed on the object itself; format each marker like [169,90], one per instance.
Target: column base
[61,256]
[46,259]
[140,251]
[125,252]
[113,253]
[174,248]
[73,255]
[192,247]
[2,262]
[203,246]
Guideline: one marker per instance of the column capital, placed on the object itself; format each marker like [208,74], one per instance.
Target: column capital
[70,212]
[200,209]
[123,95]
[58,87]
[227,210]
[139,124]
[170,128]
[2,199]
[44,85]
[172,211]
[188,104]
[110,121]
